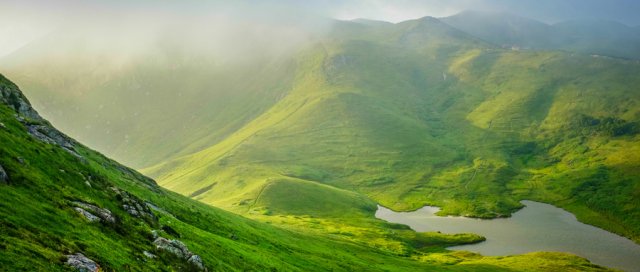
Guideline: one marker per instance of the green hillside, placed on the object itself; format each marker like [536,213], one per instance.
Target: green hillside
[48,179]
[421,113]
[417,113]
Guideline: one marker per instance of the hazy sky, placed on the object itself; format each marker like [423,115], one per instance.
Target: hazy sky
[624,11]
[24,20]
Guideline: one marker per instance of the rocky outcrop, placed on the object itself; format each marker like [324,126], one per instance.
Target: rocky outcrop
[82,263]
[89,216]
[174,247]
[11,95]
[94,213]
[180,250]
[133,205]
[4,178]
[52,136]
[196,261]
[35,124]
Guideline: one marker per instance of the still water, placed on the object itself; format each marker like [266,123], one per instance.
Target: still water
[537,227]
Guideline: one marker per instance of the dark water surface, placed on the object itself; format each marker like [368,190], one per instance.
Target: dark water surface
[537,227]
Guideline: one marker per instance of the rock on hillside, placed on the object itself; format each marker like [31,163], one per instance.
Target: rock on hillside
[180,250]
[4,178]
[82,263]
[10,95]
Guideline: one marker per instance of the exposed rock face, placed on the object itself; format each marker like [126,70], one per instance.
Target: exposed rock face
[4,178]
[36,125]
[90,211]
[42,130]
[133,205]
[89,216]
[10,95]
[177,248]
[82,263]
[51,135]
[197,262]
[174,247]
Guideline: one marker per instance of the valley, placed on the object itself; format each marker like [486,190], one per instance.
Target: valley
[66,207]
[279,160]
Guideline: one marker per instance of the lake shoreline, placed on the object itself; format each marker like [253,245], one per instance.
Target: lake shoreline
[536,227]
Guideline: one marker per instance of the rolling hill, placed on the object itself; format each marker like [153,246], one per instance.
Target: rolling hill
[65,207]
[420,112]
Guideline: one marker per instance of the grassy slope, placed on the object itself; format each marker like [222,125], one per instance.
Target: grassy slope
[39,225]
[372,112]
[576,119]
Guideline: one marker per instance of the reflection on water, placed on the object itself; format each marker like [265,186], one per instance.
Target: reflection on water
[537,227]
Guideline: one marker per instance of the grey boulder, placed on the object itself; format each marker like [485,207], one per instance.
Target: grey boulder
[89,216]
[4,178]
[197,262]
[174,247]
[103,214]
[82,263]
[177,248]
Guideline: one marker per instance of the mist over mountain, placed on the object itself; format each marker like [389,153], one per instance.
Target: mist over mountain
[133,66]
[305,124]
[600,37]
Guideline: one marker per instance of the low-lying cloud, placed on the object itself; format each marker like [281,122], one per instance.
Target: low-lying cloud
[247,27]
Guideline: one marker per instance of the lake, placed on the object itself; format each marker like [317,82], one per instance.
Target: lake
[537,227]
